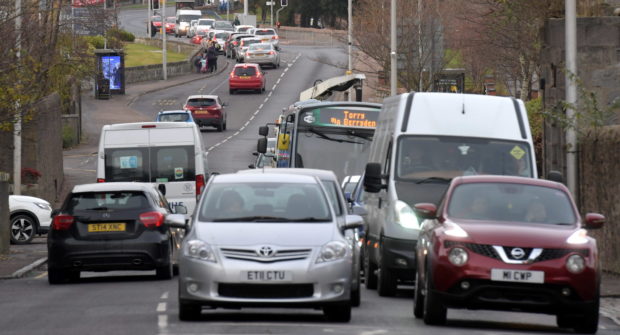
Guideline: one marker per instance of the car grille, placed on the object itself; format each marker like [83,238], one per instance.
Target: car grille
[279,255]
[488,251]
[266,291]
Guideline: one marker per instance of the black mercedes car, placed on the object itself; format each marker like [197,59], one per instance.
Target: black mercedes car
[113,226]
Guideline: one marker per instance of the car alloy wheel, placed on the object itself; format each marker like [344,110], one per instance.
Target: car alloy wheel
[434,311]
[23,229]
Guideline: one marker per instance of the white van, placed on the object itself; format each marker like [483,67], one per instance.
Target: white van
[163,153]
[421,142]
[183,19]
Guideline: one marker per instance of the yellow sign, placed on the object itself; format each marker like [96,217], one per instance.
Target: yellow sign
[517,152]
[283,141]
[353,119]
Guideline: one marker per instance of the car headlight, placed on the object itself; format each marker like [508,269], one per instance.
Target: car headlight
[199,250]
[405,216]
[332,251]
[575,264]
[454,230]
[458,256]
[578,237]
[43,205]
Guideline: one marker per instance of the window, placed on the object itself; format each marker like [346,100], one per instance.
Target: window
[201,102]
[128,164]
[245,71]
[264,32]
[119,200]
[176,117]
[172,164]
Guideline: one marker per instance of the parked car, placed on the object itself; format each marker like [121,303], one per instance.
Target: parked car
[29,216]
[243,46]
[268,35]
[114,226]
[175,116]
[338,202]
[507,243]
[292,252]
[263,54]
[207,110]
[247,76]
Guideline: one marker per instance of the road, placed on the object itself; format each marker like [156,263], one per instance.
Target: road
[136,303]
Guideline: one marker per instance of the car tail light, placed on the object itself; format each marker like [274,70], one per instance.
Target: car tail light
[62,222]
[272,53]
[232,74]
[235,43]
[247,54]
[274,37]
[100,180]
[152,220]
[200,183]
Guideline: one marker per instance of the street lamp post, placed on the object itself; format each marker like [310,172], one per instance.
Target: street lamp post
[393,56]
[164,54]
[571,94]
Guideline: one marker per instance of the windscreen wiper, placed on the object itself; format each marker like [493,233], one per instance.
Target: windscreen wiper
[367,137]
[325,137]
[433,179]
[309,219]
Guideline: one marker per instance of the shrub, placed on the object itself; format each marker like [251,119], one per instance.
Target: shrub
[98,42]
[121,35]
[68,136]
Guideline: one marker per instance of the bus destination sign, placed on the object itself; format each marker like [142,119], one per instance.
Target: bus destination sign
[351,117]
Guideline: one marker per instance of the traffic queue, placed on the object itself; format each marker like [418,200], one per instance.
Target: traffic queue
[444,196]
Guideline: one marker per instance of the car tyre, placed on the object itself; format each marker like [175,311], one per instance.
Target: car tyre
[369,271]
[220,126]
[418,298]
[434,311]
[166,271]
[23,229]
[224,127]
[386,282]
[231,91]
[588,322]
[57,276]
[338,313]
[189,311]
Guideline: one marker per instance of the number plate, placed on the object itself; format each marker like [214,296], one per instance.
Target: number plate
[520,276]
[106,227]
[201,112]
[245,77]
[266,276]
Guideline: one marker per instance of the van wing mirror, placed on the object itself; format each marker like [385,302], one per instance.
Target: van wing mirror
[162,188]
[261,145]
[555,176]
[263,130]
[373,181]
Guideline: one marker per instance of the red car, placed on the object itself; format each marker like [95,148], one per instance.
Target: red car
[246,76]
[156,21]
[508,243]
[207,110]
[196,39]
[171,23]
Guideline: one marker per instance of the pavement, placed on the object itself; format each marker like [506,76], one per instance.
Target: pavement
[25,260]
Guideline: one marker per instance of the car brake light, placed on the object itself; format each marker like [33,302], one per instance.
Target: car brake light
[100,180]
[62,222]
[247,54]
[152,220]
[232,74]
[200,183]
[235,43]
[271,53]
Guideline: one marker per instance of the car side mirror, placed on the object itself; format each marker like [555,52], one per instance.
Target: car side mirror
[175,221]
[594,221]
[555,176]
[373,180]
[263,130]
[255,153]
[353,221]
[162,188]
[179,209]
[251,166]
[425,210]
[261,145]
[54,212]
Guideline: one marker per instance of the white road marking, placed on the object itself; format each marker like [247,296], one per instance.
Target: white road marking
[164,296]
[161,307]
[256,112]
[162,321]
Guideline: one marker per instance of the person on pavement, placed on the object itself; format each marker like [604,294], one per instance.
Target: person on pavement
[212,57]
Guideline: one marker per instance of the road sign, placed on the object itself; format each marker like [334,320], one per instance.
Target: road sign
[269,3]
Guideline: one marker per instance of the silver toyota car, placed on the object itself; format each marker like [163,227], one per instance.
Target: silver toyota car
[266,240]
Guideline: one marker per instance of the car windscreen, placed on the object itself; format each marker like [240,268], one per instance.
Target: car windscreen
[188,18]
[150,164]
[205,22]
[106,201]
[511,202]
[222,24]
[264,32]
[156,19]
[245,71]
[264,202]
[201,102]
[420,157]
[171,20]
[222,36]
[174,117]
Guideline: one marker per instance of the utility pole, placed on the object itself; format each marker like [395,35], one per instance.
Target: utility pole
[349,42]
[17,126]
[393,56]
[164,54]
[272,2]
[571,94]
[148,17]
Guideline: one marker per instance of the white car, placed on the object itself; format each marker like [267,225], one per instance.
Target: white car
[29,216]
[203,26]
[268,35]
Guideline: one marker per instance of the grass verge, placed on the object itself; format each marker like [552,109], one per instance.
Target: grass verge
[139,54]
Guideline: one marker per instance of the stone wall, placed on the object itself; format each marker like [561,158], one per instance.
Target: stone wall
[41,149]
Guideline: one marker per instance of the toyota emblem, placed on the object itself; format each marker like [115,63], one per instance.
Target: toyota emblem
[517,253]
[266,251]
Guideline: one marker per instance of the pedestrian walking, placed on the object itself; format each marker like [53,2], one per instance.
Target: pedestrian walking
[204,61]
[212,57]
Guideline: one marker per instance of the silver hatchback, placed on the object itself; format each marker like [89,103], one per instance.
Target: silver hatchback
[263,54]
[266,240]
